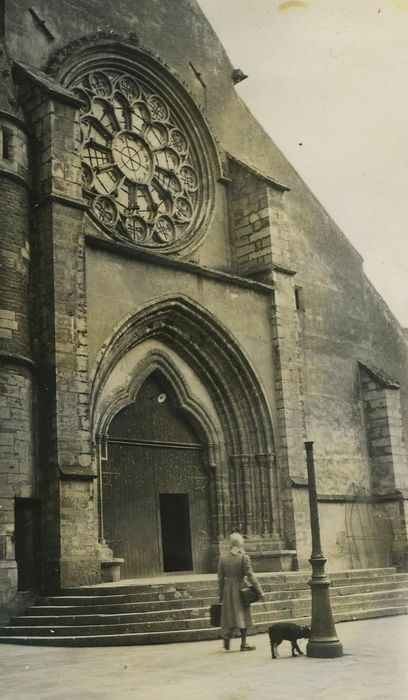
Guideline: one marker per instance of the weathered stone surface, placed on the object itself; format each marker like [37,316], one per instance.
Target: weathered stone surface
[259,329]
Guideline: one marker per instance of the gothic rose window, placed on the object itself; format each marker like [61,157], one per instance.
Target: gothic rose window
[142,175]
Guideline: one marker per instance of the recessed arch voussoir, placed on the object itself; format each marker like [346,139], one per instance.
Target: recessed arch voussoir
[247,476]
[212,352]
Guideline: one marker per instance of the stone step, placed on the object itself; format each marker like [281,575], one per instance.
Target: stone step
[367,587]
[210,581]
[117,608]
[343,616]
[121,604]
[134,614]
[117,639]
[364,580]
[395,594]
[121,599]
[108,601]
[368,614]
[359,599]
[184,614]
[91,630]
[272,592]
[106,618]
[188,618]
[349,606]
[206,633]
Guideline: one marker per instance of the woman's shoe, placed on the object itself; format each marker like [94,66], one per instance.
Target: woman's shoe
[246,647]
[226,644]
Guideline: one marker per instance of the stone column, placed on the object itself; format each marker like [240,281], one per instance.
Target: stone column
[263,494]
[17,479]
[237,505]
[222,494]
[61,348]
[386,443]
[262,251]
[247,484]
[388,452]
[270,489]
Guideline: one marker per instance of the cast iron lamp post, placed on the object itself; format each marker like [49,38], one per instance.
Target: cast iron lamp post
[323,643]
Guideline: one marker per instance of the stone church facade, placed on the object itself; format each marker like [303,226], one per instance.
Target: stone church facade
[178,314]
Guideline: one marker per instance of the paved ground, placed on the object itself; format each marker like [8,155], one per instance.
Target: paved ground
[374,667]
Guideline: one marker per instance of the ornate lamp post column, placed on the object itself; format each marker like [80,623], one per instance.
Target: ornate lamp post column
[323,642]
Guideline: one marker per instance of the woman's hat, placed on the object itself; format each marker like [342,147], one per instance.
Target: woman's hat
[236,539]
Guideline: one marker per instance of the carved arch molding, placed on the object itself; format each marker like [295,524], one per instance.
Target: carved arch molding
[149,163]
[244,459]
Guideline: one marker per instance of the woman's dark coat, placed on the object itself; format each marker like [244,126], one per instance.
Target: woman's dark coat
[234,569]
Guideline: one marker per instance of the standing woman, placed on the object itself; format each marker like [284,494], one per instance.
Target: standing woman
[233,568]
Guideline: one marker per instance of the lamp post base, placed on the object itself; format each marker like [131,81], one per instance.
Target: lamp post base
[324,648]
[324,642]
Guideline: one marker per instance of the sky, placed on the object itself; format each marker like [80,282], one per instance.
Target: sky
[327,79]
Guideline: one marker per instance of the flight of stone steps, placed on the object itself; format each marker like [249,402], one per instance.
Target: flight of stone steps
[178,610]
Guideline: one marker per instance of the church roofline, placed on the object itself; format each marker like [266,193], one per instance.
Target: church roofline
[258,173]
[379,376]
[47,83]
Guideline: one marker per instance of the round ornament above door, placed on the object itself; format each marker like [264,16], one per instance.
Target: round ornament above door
[147,175]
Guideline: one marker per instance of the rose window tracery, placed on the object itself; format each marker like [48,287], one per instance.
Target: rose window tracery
[142,174]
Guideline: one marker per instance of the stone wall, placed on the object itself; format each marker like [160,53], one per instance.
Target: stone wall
[17,478]
[60,347]
[8,585]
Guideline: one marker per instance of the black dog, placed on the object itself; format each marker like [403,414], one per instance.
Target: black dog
[290,632]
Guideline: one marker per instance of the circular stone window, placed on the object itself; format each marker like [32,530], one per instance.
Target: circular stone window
[146,175]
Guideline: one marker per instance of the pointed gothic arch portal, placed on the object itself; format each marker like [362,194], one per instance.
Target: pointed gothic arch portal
[155,487]
[218,401]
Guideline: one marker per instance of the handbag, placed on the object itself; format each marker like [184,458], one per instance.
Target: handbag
[249,595]
[215,614]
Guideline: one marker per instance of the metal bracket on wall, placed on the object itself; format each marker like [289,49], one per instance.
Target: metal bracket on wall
[41,23]
[198,75]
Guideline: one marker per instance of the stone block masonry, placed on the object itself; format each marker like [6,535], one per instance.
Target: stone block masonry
[251,223]
[259,222]
[61,345]
[16,416]
[16,449]
[14,264]
[382,410]
[261,237]
[258,323]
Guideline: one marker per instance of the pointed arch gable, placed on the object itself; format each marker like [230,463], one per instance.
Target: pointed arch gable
[214,355]
[161,363]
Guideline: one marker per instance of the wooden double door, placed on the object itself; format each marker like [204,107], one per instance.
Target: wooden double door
[155,488]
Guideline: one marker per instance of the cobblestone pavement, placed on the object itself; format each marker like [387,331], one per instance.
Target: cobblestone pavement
[374,666]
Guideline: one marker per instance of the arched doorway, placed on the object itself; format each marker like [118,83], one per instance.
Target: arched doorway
[220,397]
[155,487]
